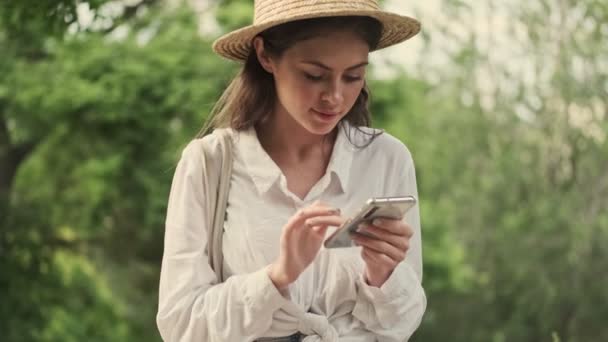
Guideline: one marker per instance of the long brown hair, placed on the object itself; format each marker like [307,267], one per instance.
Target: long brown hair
[251,96]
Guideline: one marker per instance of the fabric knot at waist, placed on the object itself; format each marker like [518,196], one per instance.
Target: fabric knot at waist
[317,328]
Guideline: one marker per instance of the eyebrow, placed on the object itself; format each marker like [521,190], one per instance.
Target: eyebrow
[321,65]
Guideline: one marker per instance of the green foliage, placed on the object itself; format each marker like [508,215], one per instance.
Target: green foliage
[512,180]
[518,179]
[107,118]
[233,14]
[33,21]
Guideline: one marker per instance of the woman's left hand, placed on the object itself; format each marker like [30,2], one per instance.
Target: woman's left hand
[383,253]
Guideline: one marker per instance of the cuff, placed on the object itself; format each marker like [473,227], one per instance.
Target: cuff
[379,305]
[399,284]
[260,293]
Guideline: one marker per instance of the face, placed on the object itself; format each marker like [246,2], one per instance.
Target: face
[318,80]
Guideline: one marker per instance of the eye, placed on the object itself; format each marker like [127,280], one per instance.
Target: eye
[351,79]
[313,77]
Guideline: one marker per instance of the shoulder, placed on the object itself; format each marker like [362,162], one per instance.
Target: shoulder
[383,145]
[206,149]
[211,142]
[392,145]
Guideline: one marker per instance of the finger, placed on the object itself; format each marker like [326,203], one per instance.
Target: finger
[401,242]
[377,258]
[303,214]
[380,246]
[319,204]
[396,227]
[333,220]
[320,230]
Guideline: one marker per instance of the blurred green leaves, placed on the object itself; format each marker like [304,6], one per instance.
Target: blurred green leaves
[105,119]
[234,14]
[512,172]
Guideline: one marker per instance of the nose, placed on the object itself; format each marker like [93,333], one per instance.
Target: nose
[332,95]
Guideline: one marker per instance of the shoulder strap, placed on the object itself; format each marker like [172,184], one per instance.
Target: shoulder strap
[214,241]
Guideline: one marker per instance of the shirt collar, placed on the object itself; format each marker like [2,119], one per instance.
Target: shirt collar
[262,169]
[265,172]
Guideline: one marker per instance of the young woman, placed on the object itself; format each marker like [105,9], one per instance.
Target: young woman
[304,159]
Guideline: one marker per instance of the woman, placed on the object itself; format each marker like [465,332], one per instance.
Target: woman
[303,160]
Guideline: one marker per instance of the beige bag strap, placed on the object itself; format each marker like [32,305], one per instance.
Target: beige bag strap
[216,231]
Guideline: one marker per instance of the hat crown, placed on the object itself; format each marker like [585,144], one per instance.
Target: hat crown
[269,10]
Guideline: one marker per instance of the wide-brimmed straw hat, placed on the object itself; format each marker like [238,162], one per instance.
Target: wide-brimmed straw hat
[236,45]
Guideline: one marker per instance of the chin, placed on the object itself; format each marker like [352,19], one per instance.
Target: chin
[320,126]
[317,129]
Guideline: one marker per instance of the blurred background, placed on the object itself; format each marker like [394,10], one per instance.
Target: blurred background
[504,105]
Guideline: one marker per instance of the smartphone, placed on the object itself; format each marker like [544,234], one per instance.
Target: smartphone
[377,207]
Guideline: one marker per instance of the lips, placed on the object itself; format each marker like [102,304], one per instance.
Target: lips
[325,117]
[326,113]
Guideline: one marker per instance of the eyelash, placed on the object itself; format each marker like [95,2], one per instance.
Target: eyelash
[313,78]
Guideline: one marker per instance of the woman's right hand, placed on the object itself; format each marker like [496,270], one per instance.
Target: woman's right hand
[301,240]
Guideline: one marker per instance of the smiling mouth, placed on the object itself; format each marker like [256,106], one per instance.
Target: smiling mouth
[325,113]
[325,117]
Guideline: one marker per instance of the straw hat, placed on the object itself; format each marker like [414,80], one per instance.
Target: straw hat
[268,13]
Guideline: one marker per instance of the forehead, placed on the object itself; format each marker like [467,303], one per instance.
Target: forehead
[338,50]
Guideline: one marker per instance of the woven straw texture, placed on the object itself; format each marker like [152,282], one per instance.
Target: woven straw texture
[268,13]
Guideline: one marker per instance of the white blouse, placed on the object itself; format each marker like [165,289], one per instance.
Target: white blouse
[330,301]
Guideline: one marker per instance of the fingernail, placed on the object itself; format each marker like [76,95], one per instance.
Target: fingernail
[336,211]
[377,222]
[362,226]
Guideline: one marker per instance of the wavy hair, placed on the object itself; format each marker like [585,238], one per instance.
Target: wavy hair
[251,96]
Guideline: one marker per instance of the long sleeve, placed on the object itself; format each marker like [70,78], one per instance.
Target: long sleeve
[394,311]
[192,306]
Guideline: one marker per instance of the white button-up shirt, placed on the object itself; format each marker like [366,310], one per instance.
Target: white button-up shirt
[330,301]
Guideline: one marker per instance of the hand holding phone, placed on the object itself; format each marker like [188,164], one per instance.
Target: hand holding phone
[379,207]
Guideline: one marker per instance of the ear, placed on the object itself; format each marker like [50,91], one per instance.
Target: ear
[265,61]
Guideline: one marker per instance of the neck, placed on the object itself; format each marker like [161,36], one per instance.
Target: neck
[285,139]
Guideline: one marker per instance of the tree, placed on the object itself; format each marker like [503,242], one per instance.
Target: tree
[518,166]
[102,117]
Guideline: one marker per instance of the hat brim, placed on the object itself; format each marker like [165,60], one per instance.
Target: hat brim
[236,45]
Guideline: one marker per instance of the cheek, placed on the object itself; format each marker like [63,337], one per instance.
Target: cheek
[352,93]
[301,93]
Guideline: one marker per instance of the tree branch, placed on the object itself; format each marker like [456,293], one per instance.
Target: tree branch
[5,156]
[129,13]
[11,158]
